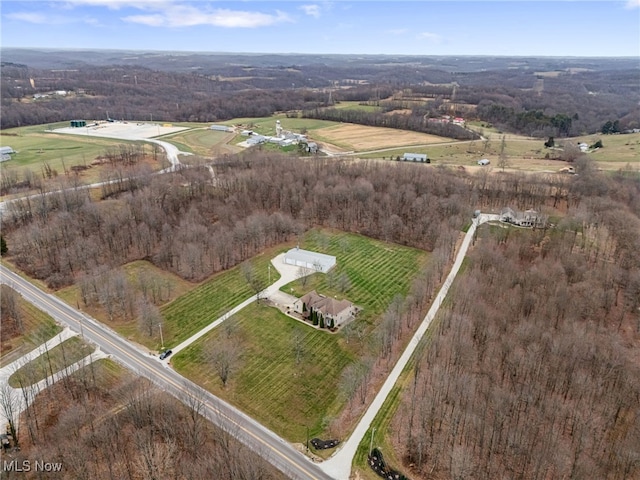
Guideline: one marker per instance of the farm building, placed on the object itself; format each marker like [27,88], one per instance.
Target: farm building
[335,312]
[416,157]
[312,147]
[7,150]
[221,128]
[312,260]
[483,162]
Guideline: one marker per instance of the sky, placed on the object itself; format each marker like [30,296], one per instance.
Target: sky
[421,27]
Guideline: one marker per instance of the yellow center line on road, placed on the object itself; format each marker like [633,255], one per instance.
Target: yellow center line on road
[160,373]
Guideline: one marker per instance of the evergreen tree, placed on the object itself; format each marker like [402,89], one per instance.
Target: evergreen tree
[3,246]
[321,320]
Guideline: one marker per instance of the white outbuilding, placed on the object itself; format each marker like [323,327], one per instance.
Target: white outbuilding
[318,262]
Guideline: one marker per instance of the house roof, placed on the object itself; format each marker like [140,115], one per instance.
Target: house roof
[310,257]
[325,305]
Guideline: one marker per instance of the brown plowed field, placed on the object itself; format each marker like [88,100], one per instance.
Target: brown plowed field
[360,137]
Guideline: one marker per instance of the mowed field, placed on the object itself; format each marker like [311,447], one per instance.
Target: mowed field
[59,357]
[377,271]
[269,385]
[362,138]
[203,142]
[195,310]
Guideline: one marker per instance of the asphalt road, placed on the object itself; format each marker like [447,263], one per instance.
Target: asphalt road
[255,436]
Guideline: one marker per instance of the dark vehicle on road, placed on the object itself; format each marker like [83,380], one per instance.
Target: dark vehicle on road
[165,354]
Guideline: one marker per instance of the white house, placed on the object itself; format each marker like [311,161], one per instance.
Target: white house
[318,262]
[528,218]
[335,312]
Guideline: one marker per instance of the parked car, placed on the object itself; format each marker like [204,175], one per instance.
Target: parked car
[165,354]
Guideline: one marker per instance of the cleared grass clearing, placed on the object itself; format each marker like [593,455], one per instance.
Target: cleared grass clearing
[362,138]
[270,386]
[203,142]
[37,326]
[377,270]
[64,355]
[356,106]
[191,312]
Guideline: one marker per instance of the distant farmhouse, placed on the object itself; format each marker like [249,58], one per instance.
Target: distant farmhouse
[318,262]
[335,313]
[528,218]
[416,157]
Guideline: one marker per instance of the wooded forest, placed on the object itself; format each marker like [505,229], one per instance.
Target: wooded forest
[103,422]
[532,372]
[208,88]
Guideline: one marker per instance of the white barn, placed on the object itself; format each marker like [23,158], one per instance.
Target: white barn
[221,128]
[312,260]
[415,157]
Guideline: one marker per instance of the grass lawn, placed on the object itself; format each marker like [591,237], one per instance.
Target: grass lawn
[377,270]
[267,125]
[67,353]
[199,141]
[285,396]
[38,327]
[270,386]
[191,312]
[35,146]
[356,106]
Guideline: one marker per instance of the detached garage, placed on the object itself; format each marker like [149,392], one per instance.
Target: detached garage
[311,260]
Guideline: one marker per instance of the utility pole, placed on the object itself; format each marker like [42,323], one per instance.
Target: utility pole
[161,339]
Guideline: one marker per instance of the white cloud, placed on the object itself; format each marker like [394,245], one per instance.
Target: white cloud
[118,4]
[42,19]
[29,17]
[188,16]
[397,31]
[633,4]
[311,10]
[432,37]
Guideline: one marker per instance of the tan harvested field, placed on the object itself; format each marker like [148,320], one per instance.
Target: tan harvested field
[359,137]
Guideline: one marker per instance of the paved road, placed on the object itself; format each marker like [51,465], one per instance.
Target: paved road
[258,438]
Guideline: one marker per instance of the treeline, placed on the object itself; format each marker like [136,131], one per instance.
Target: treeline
[183,223]
[414,122]
[532,372]
[144,434]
